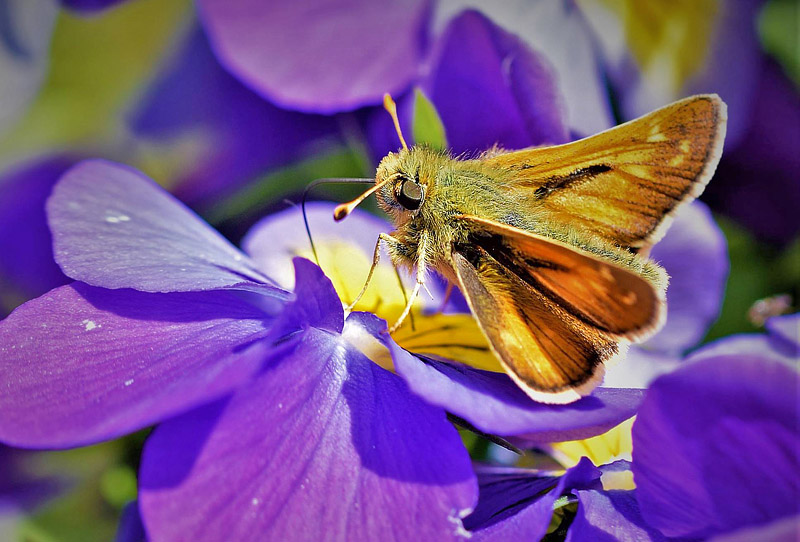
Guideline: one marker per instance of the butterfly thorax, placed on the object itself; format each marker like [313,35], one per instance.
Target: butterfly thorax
[447,188]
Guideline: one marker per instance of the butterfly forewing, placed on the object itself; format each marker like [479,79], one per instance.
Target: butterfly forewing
[621,183]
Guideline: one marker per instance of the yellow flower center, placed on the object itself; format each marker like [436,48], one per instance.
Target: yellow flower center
[451,336]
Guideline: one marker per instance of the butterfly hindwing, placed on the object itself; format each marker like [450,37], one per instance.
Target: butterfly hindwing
[548,357]
[600,293]
[552,313]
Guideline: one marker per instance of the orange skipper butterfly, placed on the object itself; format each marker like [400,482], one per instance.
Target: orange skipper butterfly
[549,244]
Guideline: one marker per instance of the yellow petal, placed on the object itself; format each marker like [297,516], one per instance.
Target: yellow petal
[670,41]
[614,444]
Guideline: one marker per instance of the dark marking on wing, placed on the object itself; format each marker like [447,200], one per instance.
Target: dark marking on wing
[562,181]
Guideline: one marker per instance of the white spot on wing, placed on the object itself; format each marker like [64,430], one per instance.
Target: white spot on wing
[128,382]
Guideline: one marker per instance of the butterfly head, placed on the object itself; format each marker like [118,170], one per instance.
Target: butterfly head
[399,186]
[402,190]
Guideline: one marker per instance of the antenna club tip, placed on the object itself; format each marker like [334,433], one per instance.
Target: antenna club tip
[340,212]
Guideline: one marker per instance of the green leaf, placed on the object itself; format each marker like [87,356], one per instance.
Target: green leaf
[779,29]
[428,127]
[266,189]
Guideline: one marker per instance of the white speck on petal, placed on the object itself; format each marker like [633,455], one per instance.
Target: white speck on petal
[89,325]
[128,382]
[455,519]
[115,219]
[255,502]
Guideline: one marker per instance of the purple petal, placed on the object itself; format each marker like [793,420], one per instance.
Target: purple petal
[130,527]
[695,254]
[27,268]
[610,516]
[90,6]
[716,446]
[517,504]
[276,239]
[317,304]
[113,227]
[242,134]
[323,445]
[319,58]
[83,364]
[756,182]
[745,344]
[488,88]
[557,32]
[493,403]
[785,332]
[782,530]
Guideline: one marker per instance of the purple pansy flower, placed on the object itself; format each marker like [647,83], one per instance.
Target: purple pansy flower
[489,87]
[183,319]
[271,415]
[653,56]
[732,428]
[716,454]
[758,178]
[518,504]
[558,34]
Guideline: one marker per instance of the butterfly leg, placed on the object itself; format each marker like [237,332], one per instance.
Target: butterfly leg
[405,295]
[376,256]
[421,268]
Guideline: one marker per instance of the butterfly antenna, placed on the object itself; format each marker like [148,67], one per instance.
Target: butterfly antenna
[314,184]
[391,108]
[341,212]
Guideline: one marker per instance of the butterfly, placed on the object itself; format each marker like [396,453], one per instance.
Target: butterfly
[549,244]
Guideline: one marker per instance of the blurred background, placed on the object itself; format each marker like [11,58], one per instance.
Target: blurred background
[235,106]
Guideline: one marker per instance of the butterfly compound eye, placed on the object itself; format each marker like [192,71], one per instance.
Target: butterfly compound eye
[410,195]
